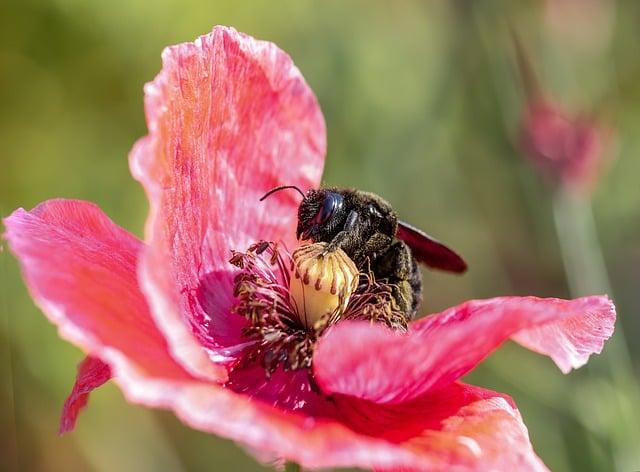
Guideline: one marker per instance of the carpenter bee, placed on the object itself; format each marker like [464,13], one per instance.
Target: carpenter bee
[367,229]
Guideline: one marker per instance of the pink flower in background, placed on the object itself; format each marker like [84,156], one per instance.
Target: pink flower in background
[230,117]
[569,150]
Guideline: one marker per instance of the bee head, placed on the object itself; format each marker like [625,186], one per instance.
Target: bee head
[320,215]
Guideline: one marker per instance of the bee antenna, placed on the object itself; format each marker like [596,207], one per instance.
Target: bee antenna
[282,187]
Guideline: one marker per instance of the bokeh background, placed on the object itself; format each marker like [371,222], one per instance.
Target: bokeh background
[423,105]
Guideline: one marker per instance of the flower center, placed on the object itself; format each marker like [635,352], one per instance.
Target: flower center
[291,299]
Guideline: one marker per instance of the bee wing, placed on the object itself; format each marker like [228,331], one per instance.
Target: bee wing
[430,251]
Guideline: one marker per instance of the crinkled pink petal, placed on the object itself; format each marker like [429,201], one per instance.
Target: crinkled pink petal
[81,270]
[229,118]
[462,428]
[441,348]
[571,341]
[92,373]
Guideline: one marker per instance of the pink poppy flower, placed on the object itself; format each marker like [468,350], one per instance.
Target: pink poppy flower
[230,117]
[571,151]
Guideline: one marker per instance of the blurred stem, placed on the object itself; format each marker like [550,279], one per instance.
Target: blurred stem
[292,467]
[586,274]
[525,67]
[583,260]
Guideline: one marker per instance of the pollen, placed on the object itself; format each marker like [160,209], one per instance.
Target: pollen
[321,283]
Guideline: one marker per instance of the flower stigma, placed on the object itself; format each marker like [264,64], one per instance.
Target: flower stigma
[289,300]
[321,284]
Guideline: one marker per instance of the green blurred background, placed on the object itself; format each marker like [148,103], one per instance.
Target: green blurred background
[422,104]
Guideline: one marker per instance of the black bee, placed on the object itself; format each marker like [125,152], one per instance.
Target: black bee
[367,229]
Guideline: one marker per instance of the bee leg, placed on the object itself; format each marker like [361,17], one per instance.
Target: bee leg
[370,250]
[401,270]
[346,238]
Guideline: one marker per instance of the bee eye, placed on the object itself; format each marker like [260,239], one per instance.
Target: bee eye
[332,202]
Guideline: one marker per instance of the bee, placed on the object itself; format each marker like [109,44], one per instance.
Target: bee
[367,229]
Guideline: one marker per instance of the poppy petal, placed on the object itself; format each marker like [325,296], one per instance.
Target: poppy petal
[92,373]
[441,348]
[461,428]
[229,118]
[81,270]
[571,341]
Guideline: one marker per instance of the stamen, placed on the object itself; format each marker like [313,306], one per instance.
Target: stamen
[262,292]
[374,301]
[290,301]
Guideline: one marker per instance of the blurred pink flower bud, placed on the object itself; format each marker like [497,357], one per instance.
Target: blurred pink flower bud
[570,150]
